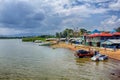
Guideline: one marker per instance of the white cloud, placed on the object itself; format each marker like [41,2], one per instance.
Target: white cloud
[111,22]
[83,11]
[115,5]
[94,1]
[55,14]
[57,6]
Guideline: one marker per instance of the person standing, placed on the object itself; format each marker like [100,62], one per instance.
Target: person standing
[114,48]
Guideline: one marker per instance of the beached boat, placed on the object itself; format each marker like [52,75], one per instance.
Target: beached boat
[45,44]
[99,57]
[38,41]
[83,53]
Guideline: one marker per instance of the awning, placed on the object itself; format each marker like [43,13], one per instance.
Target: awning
[95,31]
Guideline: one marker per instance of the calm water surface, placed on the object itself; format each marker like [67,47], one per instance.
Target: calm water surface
[29,61]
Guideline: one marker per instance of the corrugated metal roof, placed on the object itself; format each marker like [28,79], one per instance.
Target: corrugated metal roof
[115,41]
[112,41]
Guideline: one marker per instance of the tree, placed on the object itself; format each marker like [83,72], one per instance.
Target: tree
[61,35]
[68,33]
[118,29]
[65,33]
[57,35]
[82,31]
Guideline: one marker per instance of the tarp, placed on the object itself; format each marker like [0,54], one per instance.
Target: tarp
[113,31]
[95,31]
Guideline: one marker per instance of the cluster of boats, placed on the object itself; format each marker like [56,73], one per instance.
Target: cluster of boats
[96,56]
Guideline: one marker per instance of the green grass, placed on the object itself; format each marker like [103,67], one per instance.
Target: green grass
[32,39]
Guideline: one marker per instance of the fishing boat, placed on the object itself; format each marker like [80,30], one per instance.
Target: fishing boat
[83,53]
[99,57]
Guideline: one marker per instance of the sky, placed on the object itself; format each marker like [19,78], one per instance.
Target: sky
[38,17]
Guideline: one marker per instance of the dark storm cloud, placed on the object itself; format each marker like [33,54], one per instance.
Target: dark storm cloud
[49,16]
[20,15]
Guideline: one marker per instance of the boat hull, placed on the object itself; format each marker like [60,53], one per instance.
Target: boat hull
[99,57]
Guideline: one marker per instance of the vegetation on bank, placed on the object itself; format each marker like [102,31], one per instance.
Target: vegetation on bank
[65,33]
[76,32]
[117,29]
[32,39]
[71,33]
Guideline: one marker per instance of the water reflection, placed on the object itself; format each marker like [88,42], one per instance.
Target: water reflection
[103,70]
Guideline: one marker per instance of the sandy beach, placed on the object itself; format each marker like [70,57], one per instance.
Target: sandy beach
[109,52]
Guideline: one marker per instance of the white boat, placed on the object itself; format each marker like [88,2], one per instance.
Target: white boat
[45,44]
[38,41]
[99,57]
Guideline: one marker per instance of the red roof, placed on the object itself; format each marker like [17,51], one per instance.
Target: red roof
[106,34]
[116,33]
[93,35]
[100,35]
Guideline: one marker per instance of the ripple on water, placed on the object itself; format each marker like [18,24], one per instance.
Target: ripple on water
[29,61]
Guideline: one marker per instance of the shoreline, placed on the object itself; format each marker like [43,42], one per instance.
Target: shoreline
[109,52]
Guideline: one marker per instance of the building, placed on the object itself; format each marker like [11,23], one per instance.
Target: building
[112,43]
[96,39]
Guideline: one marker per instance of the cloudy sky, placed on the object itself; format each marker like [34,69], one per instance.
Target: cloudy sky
[34,17]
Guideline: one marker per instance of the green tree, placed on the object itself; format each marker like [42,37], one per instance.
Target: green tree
[118,29]
[68,33]
[65,33]
[57,35]
[61,34]
[82,31]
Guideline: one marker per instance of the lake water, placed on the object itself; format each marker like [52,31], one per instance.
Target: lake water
[29,61]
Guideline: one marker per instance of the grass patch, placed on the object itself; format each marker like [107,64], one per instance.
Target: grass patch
[32,39]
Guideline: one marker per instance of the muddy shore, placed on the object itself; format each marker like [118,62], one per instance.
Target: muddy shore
[109,52]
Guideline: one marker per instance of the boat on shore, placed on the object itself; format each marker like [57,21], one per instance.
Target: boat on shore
[83,53]
[99,57]
[45,44]
[38,41]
